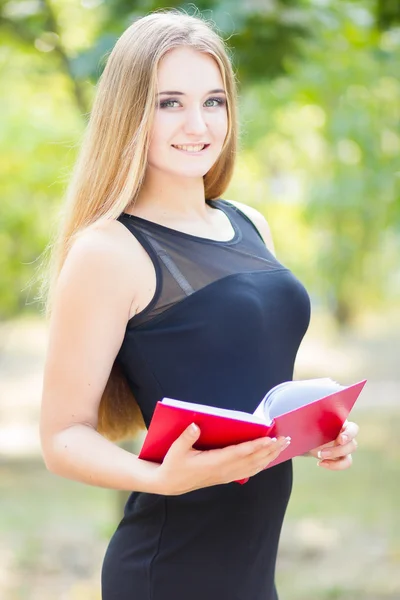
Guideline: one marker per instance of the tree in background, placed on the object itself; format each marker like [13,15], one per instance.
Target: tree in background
[327,145]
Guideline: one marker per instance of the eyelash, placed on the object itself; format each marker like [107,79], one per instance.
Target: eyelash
[220,102]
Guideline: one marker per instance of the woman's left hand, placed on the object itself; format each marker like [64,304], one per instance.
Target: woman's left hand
[336,456]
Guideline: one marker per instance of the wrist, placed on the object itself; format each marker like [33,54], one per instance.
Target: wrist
[157,483]
[151,480]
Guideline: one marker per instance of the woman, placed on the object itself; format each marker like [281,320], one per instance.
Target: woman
[161,288]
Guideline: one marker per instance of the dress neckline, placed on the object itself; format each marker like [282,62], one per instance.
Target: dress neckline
[237,235]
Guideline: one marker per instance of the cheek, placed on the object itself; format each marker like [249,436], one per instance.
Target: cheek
[163,128]
[221,125]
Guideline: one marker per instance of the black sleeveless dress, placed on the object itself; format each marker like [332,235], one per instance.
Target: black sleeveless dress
[223,327]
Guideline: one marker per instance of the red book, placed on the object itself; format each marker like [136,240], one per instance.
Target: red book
[312,412]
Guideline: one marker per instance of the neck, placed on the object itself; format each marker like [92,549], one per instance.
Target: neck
[170,196]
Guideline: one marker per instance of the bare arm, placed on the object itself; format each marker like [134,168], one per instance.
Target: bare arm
[87,327]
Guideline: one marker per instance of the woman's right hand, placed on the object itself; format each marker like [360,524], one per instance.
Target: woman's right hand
[185,469]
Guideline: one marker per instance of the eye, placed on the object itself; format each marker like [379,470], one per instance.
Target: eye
[217,101]
[167,103]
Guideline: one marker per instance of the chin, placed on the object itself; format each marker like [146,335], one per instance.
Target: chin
[198,172]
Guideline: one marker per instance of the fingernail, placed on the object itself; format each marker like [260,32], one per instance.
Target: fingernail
[324,454]
[345,439]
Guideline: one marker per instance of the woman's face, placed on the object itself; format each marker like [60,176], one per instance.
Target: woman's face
[190,121]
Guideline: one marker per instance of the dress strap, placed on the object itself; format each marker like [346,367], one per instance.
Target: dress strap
[234,212]
[168,274]
[171,266]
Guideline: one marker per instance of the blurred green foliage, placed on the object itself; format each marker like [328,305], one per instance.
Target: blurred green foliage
[327,139]
[320,111]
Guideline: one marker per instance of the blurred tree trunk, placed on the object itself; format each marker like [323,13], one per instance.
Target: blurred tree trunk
[343,312]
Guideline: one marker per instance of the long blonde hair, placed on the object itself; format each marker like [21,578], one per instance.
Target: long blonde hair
[111,165]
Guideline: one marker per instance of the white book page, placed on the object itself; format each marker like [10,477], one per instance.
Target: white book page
[290,395]
[212,410]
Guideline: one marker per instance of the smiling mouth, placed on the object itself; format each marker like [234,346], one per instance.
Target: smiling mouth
[190,148]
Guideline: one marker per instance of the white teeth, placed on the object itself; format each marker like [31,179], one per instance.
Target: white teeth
[191,148]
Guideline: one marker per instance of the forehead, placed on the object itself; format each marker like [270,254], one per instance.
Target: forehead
[188,70]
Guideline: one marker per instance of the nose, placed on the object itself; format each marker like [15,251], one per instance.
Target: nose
[195,123]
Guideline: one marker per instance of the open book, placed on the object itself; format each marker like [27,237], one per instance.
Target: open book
[312,412]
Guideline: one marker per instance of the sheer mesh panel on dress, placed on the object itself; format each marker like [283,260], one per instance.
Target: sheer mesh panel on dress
[186,263]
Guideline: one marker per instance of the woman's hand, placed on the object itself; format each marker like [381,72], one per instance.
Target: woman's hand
[185,469]
[336,456]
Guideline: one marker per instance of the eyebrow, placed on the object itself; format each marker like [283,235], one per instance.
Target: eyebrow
[175,93]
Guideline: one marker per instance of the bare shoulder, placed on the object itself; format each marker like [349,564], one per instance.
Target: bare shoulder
[106,251]
[93,278]
[259,221]
[104,242]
